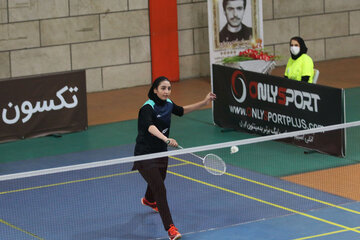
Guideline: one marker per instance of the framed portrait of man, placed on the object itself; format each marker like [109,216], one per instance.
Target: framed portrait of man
[235,23]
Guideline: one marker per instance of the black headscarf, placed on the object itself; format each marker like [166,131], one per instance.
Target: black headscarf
[153,95]
[303,48]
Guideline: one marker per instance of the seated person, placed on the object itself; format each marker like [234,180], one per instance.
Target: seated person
[300,66]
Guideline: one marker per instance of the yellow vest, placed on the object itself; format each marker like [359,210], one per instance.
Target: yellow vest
[303,66]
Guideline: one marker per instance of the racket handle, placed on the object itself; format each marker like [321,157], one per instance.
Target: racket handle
[168,142]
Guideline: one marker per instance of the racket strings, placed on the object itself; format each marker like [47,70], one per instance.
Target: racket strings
[214,164]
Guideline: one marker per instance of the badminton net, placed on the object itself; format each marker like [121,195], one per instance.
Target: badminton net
[264,178]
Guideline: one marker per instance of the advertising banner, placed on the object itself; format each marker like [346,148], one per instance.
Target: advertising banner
[265,104]
[42,105]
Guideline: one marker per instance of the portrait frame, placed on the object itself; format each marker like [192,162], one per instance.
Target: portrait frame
[252,11]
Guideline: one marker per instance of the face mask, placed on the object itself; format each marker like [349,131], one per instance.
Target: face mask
[295,50]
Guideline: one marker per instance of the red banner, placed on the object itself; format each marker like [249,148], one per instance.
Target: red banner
[164,39]
[42,105]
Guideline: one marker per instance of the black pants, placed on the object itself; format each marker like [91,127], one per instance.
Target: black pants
[156,192]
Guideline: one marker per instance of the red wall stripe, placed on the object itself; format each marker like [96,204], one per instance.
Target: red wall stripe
[164,39]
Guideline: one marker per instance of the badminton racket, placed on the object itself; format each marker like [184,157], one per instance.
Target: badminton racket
[212,163]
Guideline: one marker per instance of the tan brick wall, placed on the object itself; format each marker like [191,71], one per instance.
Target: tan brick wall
[342,47]
[193,66]
[186,42]
[4,65]
[340,6]
[19,35]
[292,8]
[268,10]
[138,4]
[330,27]
[85,7]
[94,79]
[192,15]
[124,24]
[354,22]
[201,43]
[136,74]
[280,30]
[111,38]
[69,30]
[25,10]
[3,11]
[193,38]
[100,54]
[40,60]
[140,49]
[324,26]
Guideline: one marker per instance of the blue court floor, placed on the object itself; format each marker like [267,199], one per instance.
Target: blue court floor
[104,203]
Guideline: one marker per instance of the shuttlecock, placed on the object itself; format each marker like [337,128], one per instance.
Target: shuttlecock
[234,149]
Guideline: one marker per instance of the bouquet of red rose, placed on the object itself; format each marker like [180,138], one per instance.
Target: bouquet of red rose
[250,54]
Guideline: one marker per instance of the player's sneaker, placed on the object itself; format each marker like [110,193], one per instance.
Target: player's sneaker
[173,233]
[149,204]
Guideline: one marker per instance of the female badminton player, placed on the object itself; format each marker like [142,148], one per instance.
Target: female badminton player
[153,136]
